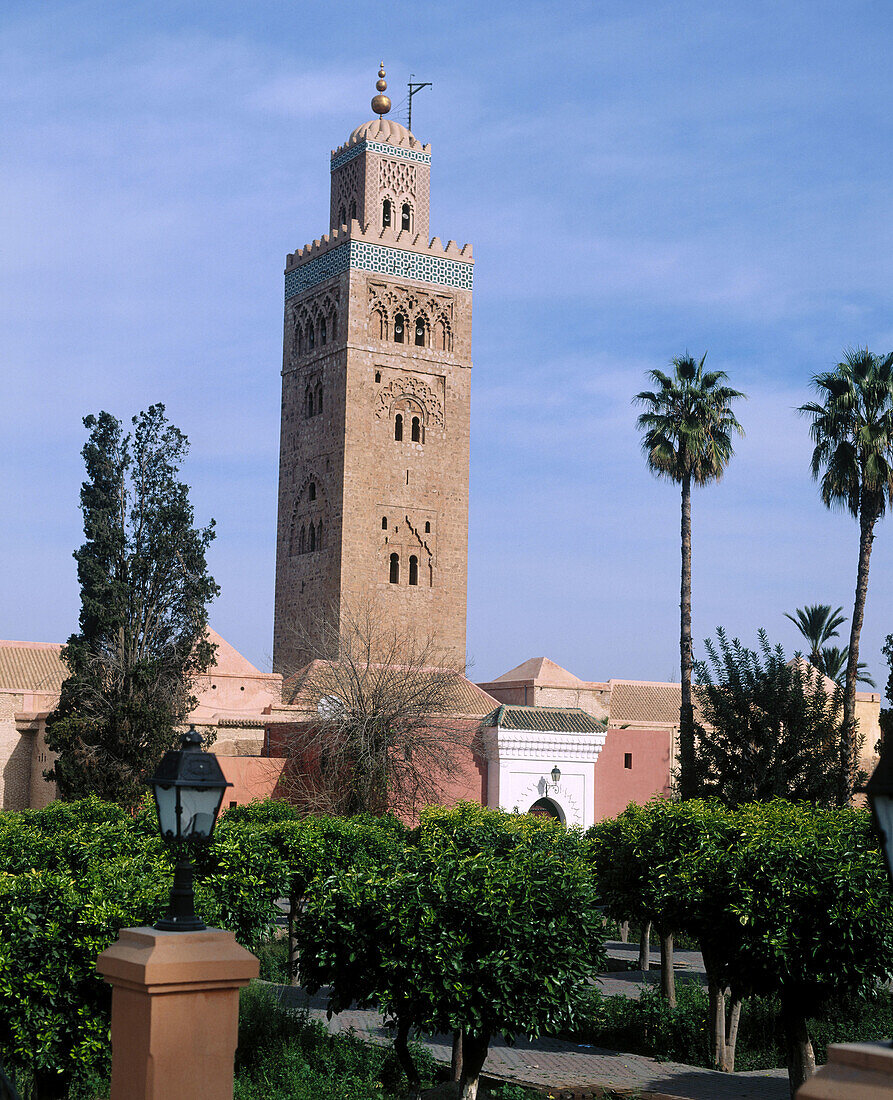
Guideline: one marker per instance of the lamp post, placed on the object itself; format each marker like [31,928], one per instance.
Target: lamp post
[188,788]
[556,775]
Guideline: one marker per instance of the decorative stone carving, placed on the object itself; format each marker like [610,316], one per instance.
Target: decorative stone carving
[412,387]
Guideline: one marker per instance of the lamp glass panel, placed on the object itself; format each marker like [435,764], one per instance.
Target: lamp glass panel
[166,801]
[883,808]
[198,808]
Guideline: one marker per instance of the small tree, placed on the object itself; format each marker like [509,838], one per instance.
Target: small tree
[886,720]
[487,925]
[143,623]
[769,728]
[384,727]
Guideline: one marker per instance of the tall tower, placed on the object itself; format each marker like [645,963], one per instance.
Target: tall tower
[376,370]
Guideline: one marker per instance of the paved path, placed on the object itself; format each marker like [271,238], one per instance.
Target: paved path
[573,1071]
[688,966]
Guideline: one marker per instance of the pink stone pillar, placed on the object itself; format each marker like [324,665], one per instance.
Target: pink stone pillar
[175,1012]
[854,1071]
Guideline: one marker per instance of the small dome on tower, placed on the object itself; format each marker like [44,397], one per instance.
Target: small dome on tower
[386,130]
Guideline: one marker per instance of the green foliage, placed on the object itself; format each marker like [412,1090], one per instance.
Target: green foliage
[649,1026]
[143,623]
[284,1056]
[70,877]
[485,922]
[770,728]
[785,900]
[688,423]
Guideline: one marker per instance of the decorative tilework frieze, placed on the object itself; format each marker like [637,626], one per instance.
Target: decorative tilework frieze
[379,147]
[387,261]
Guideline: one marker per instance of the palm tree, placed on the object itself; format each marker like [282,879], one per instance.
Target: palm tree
[832,663]
[852,429]
[687,438]
[818,624]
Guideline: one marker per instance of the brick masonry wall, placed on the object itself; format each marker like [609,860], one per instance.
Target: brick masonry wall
[15,755]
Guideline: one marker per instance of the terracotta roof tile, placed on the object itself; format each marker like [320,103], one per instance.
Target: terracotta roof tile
[636,701]
[31,666]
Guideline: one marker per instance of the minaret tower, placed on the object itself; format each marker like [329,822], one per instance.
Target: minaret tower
[373,470]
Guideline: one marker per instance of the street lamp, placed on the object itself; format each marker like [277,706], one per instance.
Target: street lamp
[879,790]
[556,775]
[188,788]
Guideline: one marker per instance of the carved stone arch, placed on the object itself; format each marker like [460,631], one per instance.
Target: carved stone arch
[442,335]
[378,322]
[410,388]
[387,196]
[421,318]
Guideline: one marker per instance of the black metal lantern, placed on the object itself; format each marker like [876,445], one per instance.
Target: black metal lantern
[556,775]
[188,788]
[879,790]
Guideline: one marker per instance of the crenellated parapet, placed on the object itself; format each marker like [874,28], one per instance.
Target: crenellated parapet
[388,251]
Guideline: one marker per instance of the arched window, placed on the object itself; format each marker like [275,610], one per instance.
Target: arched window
[322,330]
[378,328]
[398,427]
[308,402]
[413,569]
[319,535]
[342,216]
[334,325]
[378,376]
[353,209]
[420,332]
[311,491]
[384,523]
[416,430]
[299,340]
[406,222]
[386,213]
[302,545]
[399,328]
[394,576]
[312,545]
[311,337]
[427,527]
[319,399]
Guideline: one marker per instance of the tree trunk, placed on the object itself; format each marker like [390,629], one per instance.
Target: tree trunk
[401,1046]
[686,714]
[728,1054]
[798,1047]
[474,1054]
[716,1021]
[667,973]
[868,515]
[623,929]
[645,947]
[292,943]
[456,1059]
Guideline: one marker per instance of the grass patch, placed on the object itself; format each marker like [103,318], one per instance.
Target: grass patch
[283,1055]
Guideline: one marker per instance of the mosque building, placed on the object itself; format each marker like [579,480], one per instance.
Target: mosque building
[373,511]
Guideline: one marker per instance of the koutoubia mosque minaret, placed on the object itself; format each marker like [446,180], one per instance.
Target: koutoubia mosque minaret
[376,374]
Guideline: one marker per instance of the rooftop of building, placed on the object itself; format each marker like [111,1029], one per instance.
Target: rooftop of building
[385,130]
[543,719]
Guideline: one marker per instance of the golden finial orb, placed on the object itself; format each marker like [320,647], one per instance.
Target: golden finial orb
[380,103]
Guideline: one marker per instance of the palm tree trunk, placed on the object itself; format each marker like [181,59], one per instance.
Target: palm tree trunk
[686,715]
[868,515]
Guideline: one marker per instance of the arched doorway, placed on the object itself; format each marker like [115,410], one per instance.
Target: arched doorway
[545,807]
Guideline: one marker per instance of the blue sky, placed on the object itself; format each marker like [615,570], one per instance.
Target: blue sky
[637,179]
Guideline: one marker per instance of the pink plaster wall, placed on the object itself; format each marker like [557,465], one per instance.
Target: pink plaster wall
[252,777]
[617,786]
